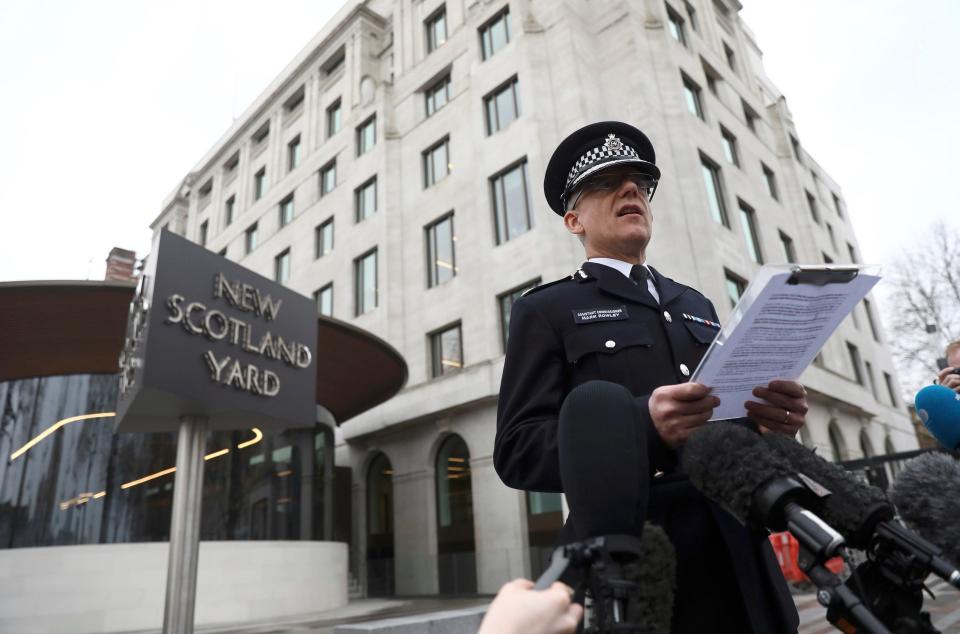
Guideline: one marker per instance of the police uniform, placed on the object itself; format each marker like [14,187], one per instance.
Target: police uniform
[599,327]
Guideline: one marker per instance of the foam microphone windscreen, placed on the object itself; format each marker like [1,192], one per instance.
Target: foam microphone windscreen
[852,508]
[657,577]
[927,494]
[939,410]
[729,464]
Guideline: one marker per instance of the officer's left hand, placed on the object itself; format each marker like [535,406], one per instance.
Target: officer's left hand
[785,409]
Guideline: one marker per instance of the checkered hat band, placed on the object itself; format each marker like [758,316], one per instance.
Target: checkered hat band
[599,155]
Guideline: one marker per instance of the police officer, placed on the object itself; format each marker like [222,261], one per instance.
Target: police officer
[595,400]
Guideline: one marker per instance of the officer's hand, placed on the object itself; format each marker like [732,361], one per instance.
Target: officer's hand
[677,410]
[519,609]
[947,378]
[785,409]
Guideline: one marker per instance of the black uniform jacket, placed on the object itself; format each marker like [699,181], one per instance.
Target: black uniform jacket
[599,325]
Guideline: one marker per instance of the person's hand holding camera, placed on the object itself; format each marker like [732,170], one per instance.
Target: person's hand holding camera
[519,609]
[950,377]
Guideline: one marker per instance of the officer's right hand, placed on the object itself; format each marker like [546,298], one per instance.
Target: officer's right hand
[677,410]
[947,378]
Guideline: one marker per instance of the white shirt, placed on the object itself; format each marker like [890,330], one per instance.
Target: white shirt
[624,267]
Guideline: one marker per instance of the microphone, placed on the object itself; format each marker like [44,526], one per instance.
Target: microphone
[939,410]
[730,465]
[927,495]
[862,514]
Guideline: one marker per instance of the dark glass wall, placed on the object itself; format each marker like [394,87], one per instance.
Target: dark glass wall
[83,484]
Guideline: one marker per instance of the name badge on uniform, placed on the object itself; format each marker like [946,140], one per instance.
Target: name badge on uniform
[590,315]
[701,320]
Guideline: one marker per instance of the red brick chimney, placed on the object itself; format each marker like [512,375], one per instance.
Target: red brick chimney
[120,264]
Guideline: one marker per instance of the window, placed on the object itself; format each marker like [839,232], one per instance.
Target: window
[294,102]
[437,95]
[328,177]
[205,192]
[436,28]
[837,205]
[286,211]
[446,351]
[261,134]
[691,92]
[202,238]
[788,251]
[259,183]
[365,275]
[222,252]
[505,302]
[436,162]
[293,153]
[675,24]
[511,209]
[250,238]
[855,362]
[750,116]
[892,393]
[228,209]
[230,167]
[365,199]
[366,135]
[501,106]
[730,57]
[833,238]
[873,324]
[334,63]
[771,180]
[714,184]
[323,238]
[281,267]
[333,118]
[748,220]
[441,259]
[812,204]
[691,15]
[729,146]
[796,152]
[324,299]
[870,379]
[735,287]
[495,34]
[826,258]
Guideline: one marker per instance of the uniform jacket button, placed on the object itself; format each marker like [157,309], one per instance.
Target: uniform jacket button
[684,370]
[610,343]
[666,315]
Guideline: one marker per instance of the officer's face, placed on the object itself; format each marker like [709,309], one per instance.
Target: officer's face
[613,222]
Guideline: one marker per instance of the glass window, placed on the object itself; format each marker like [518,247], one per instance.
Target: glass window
[446,349]
[259,183]
[713,78]
[855,362]
[456,545]
[735,287]
[788,251]
[365,199]
[202,238]
[873,325]
[328,177]
[750,116]
[333,118]
[281,267]
[365,275]
[222,252]
[323,238]
[510,202]
[286,211]
[334,63]
[293,153]
[495,34]
[228,209]
[731,58]
[675,24]
[870,379]
[502,106]
[437,95]
[230,167]
[730,146]
[837,205]
[713,181]
[436,28]
[812,205]
[691,15]
[796,153]
[436,162]
[295,101]
[505,302]
[691,92]
[852,252]
[891,392]
[367,135]
[250,238]
[826,258]
[833,238]
[324,299]
[261,135]
[771,180]
[748,221]
[837,445]
[441,260]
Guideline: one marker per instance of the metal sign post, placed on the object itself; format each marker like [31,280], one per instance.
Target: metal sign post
[185,527]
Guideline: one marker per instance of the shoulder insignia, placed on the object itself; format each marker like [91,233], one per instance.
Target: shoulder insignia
[535,289]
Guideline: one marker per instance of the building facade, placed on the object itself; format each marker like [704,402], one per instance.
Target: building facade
[393,171]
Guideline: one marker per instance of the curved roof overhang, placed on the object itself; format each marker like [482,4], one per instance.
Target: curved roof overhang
[51,328]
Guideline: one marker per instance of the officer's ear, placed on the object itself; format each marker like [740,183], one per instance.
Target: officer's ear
[571,220]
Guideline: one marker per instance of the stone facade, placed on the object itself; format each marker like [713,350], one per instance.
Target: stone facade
[574,62]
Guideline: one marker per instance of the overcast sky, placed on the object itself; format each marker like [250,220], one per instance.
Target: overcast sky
[107,104]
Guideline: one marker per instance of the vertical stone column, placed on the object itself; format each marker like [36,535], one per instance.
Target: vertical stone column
[499,528]
[415,532]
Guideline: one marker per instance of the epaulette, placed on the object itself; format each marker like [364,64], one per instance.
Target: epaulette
[530,291]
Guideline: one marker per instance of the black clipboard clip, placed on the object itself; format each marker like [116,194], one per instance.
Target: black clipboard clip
[821,276]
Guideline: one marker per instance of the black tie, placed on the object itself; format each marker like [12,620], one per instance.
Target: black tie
[639,274]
